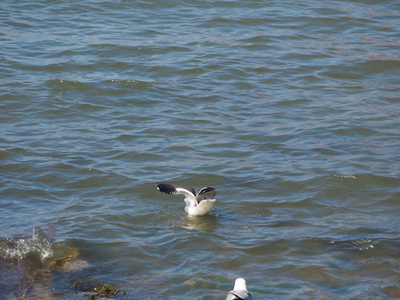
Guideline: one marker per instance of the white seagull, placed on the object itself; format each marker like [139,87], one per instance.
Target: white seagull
[196,204]
[240,291]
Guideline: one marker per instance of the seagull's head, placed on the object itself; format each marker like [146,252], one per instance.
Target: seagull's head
[240,285]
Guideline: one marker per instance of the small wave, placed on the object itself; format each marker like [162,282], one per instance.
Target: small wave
[363,244]
[344,176]
[21,248]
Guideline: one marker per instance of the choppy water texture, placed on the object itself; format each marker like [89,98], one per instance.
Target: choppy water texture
[289,109]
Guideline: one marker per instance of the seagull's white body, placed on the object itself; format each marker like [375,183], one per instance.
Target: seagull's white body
[196,204]
[200,209]
[239,291]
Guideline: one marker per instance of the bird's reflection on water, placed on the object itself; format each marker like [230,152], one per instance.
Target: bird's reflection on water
[207,223]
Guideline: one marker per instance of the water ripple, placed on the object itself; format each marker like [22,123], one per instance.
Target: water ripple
[289,110]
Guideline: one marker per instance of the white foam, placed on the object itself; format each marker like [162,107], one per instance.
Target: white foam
[22,247]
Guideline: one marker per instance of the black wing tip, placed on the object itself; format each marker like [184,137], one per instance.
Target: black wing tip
[166,188]
[206,189]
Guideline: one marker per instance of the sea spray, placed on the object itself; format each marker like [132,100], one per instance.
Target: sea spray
[20,248]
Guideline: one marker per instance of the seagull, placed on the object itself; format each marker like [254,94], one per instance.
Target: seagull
[240,291]
[196,204]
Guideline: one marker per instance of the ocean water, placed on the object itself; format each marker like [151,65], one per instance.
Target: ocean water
[291,110]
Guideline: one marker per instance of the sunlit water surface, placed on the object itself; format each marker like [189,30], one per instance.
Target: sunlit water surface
[290,110]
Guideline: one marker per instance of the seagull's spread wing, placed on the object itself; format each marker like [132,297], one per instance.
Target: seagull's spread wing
[176,189]
[205,192]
